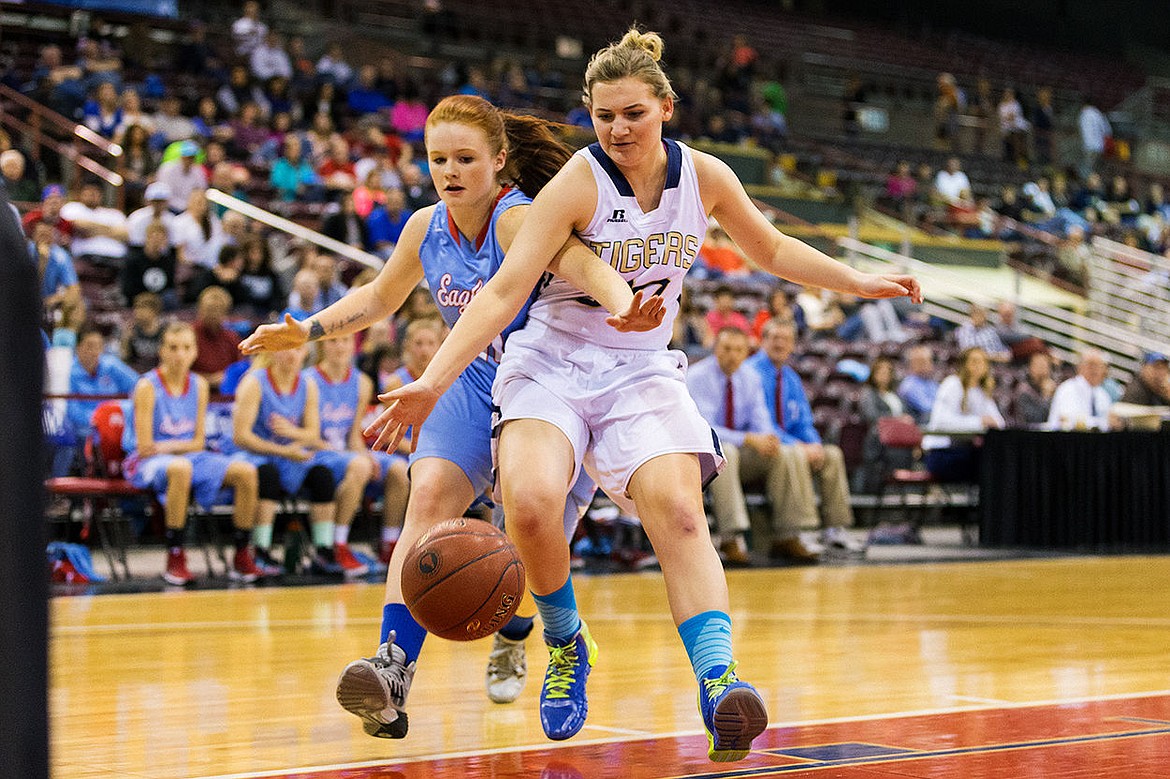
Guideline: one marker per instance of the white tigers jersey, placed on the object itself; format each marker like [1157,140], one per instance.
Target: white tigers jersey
[651,251]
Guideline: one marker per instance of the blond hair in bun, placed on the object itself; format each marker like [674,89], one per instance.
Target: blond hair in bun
[636,55]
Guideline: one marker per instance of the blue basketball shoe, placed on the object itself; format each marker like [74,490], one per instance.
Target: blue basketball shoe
[733,715]
[563,705]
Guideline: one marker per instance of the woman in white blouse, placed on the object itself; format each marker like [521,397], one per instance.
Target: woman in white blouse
[963,405]
[198,233]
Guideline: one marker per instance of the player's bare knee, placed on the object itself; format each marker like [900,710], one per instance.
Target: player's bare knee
[242,475]
[679,517]
[359,470]
[528,512]
[179,469]
[426,508]
[689,526]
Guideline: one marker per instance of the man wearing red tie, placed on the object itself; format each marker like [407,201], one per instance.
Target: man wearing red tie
[805,457]
[729,396]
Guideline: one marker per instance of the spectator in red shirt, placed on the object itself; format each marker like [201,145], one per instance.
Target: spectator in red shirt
[723,313]
[337,171]
[52,198]
[720,254]
[217,345]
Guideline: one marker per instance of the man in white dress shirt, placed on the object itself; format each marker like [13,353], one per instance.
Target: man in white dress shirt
[951,182]
[99,233]
[248,31]
[1082,402]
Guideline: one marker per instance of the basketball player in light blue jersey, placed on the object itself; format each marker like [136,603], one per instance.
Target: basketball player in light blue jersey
[164,440]
[345,394]
[570,388]
[276,422]
[483,163]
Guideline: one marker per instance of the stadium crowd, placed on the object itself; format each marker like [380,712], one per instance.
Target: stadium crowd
[335,143]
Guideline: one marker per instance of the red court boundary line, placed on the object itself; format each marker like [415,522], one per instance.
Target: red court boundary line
[597,755]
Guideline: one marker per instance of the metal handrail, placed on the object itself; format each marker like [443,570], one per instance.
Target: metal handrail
[1119,272]
[1119,249]
[68,152]
[76,130]
[300,231]
[1122,301]
[1135,299]
[1059,327]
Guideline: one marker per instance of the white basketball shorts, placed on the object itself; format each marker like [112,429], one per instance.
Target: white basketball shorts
[618,407]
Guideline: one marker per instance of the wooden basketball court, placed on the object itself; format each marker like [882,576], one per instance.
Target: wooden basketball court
[1052,667]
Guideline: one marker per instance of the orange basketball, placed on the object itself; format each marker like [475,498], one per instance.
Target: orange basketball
[463,579]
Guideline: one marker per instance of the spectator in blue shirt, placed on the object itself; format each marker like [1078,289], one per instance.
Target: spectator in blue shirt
[385,223]
[365,97]
[729,396]
[977,331]
[801,448]
[94,372]
[293,176]
[918,388]
[60,289]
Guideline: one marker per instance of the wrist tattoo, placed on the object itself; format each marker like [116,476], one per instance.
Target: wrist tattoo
[315,330]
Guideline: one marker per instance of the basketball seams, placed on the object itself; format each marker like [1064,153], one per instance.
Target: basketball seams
[445,579]
[492,592]
[421,593]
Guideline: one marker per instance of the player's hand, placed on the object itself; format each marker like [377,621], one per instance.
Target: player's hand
[276,337]
[642,315]
[297,453]
[282,427]
[889,285]
[407,406]
[766,444]
[815,454]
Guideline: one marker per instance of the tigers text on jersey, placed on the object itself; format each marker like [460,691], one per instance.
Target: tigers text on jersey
[652,251]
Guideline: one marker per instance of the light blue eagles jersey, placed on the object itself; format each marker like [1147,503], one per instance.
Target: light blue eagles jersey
[290,406]
[174,415]
[457,269]
[338,404]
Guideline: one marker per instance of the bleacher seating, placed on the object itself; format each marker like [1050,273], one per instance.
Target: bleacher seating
[813,53]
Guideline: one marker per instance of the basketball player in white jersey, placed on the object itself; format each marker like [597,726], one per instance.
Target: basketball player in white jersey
[569,387]
[486,165]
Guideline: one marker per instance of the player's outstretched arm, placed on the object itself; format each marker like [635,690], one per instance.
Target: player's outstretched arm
[545,229]
[783,255]
[358,310]
[577,264]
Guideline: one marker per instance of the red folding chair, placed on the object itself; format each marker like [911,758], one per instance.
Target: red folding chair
[899,433]
[101,490]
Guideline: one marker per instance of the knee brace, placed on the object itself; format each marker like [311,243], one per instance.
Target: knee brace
[268,479]
[319,484]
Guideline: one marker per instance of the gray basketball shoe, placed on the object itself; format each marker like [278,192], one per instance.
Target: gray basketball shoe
[375,689]
[507,670]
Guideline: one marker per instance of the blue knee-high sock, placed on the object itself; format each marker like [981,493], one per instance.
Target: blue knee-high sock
[707,638]
[558,612]
[408,634]
[517,628]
